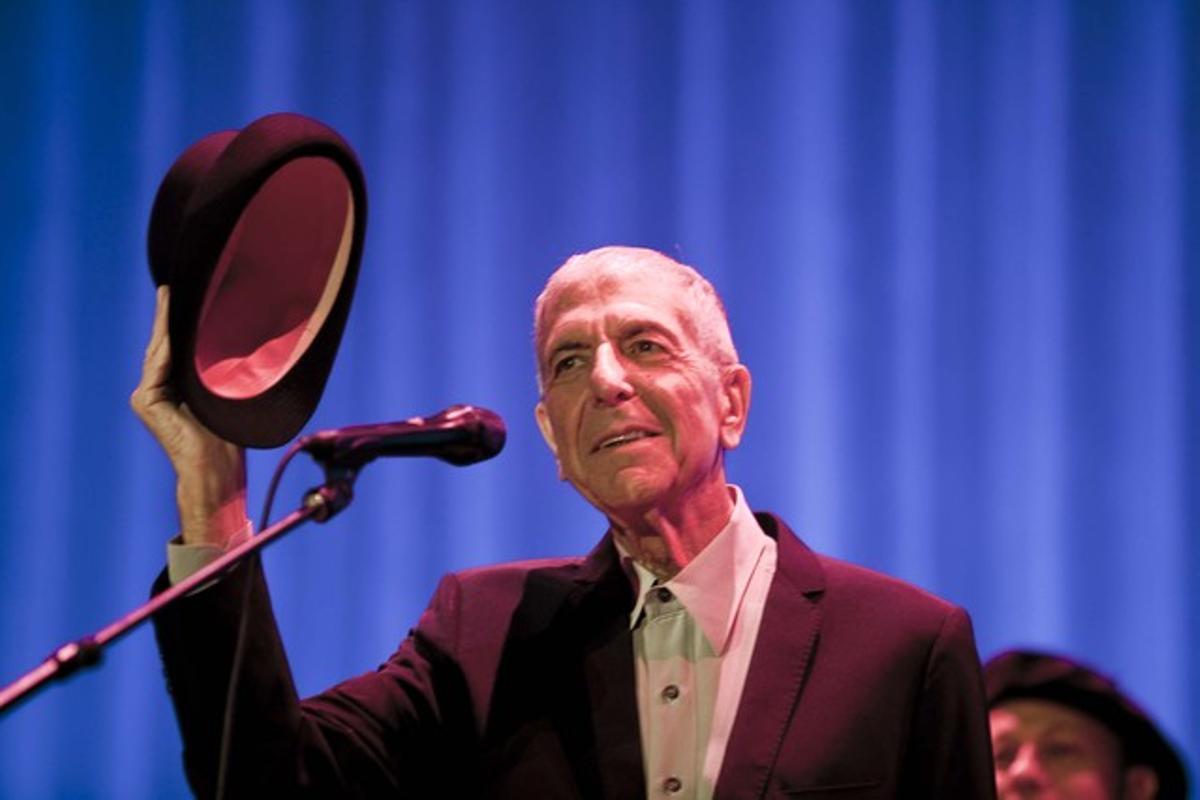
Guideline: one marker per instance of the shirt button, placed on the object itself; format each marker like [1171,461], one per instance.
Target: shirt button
[663,594]
[672,785]
[670,692]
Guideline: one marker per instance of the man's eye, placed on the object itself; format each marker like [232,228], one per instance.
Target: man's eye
[1060,749]
[643,346]
[565,363]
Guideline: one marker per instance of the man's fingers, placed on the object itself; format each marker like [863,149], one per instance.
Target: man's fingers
[162,304]
[158,347]
[152,390]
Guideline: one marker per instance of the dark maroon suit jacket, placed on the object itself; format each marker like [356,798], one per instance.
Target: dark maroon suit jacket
[518,682]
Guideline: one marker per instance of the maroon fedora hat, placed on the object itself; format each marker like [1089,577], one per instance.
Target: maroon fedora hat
[259,234]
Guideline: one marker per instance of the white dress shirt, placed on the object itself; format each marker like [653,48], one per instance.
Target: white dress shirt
[692,640]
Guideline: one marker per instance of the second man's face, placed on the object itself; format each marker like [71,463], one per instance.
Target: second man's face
[634,409]
[1047,750]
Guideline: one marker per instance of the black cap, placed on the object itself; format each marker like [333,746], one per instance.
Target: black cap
[1028,674]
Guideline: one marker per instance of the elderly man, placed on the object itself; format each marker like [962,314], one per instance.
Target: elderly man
[698,651]
[1061,730]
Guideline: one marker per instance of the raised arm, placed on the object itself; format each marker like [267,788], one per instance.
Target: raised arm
[372,735]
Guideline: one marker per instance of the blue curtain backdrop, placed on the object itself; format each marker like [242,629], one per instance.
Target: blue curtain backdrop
[959,243]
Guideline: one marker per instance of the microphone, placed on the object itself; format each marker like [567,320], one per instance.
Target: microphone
[459,435]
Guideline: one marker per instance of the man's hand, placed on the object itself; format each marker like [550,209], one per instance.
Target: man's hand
[210,472]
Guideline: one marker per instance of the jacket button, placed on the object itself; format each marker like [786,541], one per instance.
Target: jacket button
[672,785]
[663,594]
[670,692]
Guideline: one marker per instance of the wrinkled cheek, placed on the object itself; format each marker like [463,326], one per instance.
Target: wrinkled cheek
[564,427]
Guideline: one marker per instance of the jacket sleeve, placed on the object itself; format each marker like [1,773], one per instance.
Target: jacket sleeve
[384,732]
[950,751]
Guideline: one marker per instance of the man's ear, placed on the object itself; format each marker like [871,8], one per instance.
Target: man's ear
[1141,783]
[735,404]
[543,421]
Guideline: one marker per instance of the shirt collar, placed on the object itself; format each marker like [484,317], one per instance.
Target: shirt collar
[707,587]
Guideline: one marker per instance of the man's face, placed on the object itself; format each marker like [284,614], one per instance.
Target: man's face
[635,411]
[1047,750]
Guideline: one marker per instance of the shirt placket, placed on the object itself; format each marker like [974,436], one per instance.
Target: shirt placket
[670,685]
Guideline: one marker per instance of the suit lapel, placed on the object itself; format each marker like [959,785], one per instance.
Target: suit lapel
[564,715]
[597,620]
[786,638]
[612,695]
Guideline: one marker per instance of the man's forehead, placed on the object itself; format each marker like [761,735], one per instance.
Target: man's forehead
[578,325]
[623,300]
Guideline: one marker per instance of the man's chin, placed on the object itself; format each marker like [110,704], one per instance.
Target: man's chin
[629,497]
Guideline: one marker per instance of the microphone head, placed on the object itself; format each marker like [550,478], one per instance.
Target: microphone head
[484,439]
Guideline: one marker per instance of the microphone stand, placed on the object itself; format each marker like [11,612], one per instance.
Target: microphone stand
[320,503]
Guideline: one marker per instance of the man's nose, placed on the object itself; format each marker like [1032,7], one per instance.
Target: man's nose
[1025,773]
[610,381]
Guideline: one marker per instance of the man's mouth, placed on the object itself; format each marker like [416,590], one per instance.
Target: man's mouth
[622,438]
